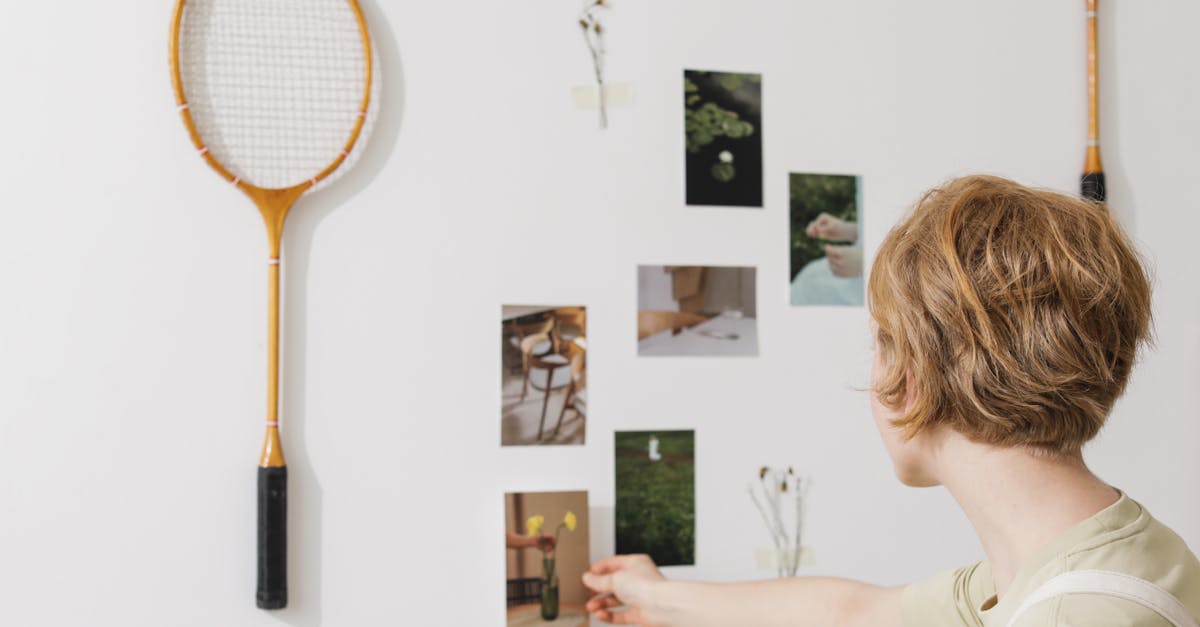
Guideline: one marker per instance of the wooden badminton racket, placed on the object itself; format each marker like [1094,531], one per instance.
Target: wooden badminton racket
[1091,184]
[274,94]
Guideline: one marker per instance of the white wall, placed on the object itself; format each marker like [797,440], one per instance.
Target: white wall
[132,292]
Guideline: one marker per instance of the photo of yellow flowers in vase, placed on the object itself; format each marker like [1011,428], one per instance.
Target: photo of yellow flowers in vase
[546,539]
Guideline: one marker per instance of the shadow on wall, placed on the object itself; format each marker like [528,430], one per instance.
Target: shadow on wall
[305,512]
[1119,195]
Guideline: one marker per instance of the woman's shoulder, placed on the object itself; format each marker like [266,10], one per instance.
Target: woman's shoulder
[1124,538]
[1144,548]
[1141,547]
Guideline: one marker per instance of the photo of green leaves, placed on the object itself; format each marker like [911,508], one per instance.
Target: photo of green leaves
[723,138]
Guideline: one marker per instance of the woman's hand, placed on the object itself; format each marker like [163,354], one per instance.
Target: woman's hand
[628,580]
[844,261]
[833,229]
[517,541]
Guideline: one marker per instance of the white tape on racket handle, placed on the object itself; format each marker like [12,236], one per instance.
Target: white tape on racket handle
[272,261]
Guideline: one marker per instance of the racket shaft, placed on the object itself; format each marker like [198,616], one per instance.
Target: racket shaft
[272,470]
[1091,184]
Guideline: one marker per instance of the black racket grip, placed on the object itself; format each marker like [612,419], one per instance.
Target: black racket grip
[272,538]
[1091,186]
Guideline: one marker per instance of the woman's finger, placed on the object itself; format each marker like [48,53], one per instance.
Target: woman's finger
[596,604]
[610,564]
[624,617]
[600,584]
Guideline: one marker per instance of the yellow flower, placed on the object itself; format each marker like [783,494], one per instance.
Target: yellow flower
[534,525]
[570,521]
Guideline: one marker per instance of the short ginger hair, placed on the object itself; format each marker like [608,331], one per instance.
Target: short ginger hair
[1016,314]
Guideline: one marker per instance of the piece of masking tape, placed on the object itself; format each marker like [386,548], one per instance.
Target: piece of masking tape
[615,95]
[769,559]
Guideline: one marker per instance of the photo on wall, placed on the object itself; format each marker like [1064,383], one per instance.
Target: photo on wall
[543,393]
[656,495]
[697,311]
[825,246]
[546,539]
[722,113]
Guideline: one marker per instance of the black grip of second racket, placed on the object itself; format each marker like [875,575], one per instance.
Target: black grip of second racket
[1091,186]
[272,538]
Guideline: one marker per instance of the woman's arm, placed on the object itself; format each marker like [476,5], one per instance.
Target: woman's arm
[651,601]
[514,541]
[794,602]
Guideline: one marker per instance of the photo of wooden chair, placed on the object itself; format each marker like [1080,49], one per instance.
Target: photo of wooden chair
[543,366]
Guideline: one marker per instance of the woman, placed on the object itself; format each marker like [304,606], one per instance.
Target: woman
[1006,322]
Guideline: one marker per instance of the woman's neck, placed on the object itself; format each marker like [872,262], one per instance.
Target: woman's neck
[1016,500]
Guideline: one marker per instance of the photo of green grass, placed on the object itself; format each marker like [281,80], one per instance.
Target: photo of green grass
[656,495]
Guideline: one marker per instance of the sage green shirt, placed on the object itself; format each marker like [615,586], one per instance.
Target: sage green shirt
[1122,537]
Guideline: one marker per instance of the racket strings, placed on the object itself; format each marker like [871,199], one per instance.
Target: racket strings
[274,87]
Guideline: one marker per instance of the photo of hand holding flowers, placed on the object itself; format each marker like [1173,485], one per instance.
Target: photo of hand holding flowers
[546,558]
[824,237]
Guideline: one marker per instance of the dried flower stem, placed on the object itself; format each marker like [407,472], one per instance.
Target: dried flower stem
[593,35]
[768,498]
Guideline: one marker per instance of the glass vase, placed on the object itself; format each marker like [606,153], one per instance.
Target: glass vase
[549,591]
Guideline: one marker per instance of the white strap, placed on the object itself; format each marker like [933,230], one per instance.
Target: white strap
[1112,584]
